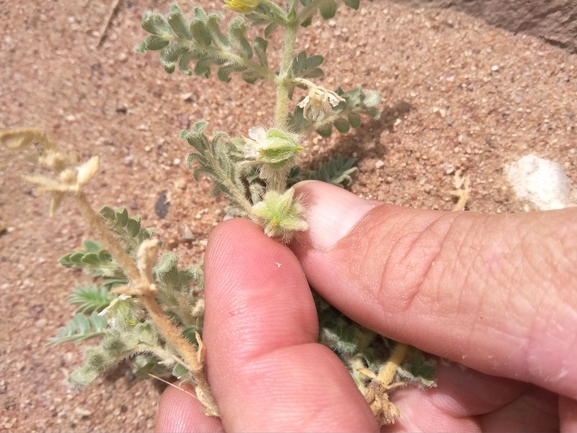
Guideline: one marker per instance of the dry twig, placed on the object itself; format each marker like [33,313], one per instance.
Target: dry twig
[106,24]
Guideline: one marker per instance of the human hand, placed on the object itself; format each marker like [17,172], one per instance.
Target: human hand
[495,293]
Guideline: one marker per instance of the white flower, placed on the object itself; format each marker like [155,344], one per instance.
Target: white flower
[258,142]
[319,103]
[104,312]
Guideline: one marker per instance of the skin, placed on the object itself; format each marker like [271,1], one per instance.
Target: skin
[495,293]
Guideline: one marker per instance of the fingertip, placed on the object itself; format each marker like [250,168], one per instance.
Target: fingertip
[331,212]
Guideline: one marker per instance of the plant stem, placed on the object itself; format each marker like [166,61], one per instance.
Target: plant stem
[173,336]
[283,82]
[276,9]
[170,333]
[387,372]
[95,222]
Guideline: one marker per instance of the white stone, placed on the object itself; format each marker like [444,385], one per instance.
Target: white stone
[540,181]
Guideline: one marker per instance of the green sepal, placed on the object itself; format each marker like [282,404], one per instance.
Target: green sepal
[154,23]
[178,23]
[179,371]
[281,215]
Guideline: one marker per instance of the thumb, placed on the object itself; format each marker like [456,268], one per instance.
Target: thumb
[493,292]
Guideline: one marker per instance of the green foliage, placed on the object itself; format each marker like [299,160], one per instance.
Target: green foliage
[175,292]
[417,369]
[117,346]
[327,9]
[200,40]
[145,366]
[250,172]
[307,67]
[340,333]
[127,229]
[218,159]
[80,328]
[93,260]
[90,298]
[338,170]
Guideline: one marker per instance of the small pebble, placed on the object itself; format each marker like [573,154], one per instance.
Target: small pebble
[82,412]
[379,164]
[188,236]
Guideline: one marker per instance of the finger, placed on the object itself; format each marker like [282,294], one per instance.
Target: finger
[533,411]
[453,405]
[265,367]
[180,411]
[495,293]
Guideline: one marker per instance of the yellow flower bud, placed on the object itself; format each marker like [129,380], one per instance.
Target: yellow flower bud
[241,6]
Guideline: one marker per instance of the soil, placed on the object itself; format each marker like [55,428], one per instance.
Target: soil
[457,94]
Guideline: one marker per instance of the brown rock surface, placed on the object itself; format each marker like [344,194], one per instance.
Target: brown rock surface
[555,21]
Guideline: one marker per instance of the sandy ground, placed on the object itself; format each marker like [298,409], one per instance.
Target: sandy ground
[457,94]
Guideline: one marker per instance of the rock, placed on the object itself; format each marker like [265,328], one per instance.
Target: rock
[187,235]
[540,181]
[379,164]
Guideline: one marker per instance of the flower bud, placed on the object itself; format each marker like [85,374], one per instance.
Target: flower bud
[275,149]
[280,214]
[241,6]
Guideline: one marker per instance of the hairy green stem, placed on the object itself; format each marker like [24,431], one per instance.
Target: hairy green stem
[283,81]
[112,245]
[277,10]
[170,333]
